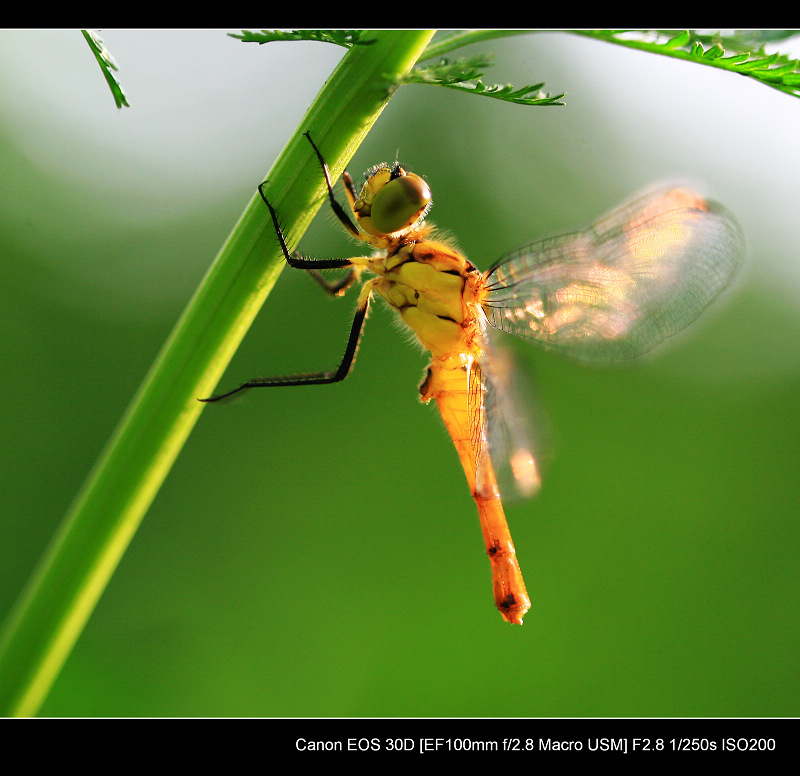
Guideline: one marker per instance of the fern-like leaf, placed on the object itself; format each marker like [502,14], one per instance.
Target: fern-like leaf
[107,64]
[465,75]
[346,38]
[740,52]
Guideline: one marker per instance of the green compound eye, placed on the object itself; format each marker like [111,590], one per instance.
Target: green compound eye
[400,203]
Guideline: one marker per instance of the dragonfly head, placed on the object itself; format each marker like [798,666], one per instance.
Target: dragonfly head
[392,201]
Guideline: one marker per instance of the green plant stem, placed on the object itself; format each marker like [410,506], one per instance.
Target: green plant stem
[61,595]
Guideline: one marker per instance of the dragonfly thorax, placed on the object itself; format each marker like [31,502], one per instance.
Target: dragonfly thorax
[431,287]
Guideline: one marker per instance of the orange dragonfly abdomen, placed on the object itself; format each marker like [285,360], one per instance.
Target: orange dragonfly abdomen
[448,382]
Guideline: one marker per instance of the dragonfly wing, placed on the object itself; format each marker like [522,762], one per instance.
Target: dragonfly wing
[515,424]
[503,436]
[616,290]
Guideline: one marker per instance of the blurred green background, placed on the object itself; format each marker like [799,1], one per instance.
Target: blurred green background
[315,551]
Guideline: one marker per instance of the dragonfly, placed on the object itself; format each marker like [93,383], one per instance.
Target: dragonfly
[610,292]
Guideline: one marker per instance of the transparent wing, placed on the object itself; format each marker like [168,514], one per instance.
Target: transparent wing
[614,291]
[515,424]
[506,443]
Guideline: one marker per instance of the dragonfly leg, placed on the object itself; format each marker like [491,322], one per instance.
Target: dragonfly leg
[351,192]
[317,378]
[337,288]
[349,188]
[298,261]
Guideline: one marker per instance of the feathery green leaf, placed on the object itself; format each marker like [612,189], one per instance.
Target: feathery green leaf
[465,75]
[107,64]
[747,56]
[344,38]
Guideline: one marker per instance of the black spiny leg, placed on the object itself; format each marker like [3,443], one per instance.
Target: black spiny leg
[316,378]
[338,287]
[337,208]
[298,262]
[350,187]
[312,265]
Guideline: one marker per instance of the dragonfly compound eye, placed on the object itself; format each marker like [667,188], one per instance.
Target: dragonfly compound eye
[400,204]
